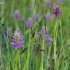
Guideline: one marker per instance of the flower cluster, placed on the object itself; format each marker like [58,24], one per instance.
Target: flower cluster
[17,40]
[56,11]
[45,32]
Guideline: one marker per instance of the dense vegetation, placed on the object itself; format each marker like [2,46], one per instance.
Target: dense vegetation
[34,34]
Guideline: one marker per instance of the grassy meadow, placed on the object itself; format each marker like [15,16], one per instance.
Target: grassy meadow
[34,34]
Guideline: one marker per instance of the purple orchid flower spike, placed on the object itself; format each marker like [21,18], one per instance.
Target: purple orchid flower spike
[17,40]
[56,11]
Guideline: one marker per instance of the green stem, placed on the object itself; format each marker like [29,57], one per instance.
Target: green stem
[29,48]
[49,52]
[61,36]
[34,7]
[17,65]
[26,63]
[42,53]
[61,45]
[55,40]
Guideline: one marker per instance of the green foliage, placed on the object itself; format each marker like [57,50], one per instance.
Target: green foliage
[14,59]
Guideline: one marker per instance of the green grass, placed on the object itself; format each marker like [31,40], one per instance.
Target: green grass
[59,30]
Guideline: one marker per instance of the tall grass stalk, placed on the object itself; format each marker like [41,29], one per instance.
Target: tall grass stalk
[29,48]
[61,45]
[42,56]
[55,42]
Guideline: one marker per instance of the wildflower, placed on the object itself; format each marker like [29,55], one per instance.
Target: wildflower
[48,3]
[48,16]
[40,34]
[17,15]
[36,17]
[44,32]
[48,38]
[56,11]
[17,40]
[29,23]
